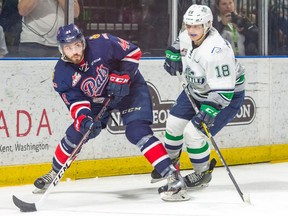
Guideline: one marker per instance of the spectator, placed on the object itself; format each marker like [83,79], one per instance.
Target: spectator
[41,20]
[153,39]
[237,29]
[278,27]
[3,47]
[10,20]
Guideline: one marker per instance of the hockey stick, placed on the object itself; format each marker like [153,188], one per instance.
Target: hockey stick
[31,207]
[245,198]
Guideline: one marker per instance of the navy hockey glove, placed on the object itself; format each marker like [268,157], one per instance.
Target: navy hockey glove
[206,115]
[84,123]
[118,87]
[173,61]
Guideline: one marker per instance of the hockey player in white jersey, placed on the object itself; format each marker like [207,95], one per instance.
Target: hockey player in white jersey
[216,82]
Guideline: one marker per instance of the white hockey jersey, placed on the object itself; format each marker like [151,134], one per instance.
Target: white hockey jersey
[211,70]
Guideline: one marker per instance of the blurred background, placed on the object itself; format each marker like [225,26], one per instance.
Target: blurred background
[154,24]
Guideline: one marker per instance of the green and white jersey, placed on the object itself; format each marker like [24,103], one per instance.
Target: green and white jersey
[211,70]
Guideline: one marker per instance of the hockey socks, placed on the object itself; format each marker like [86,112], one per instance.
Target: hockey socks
[156,154]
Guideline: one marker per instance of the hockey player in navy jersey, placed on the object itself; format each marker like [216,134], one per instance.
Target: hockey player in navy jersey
[215,80]
[91,70]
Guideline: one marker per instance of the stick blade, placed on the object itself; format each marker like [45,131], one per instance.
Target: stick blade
[246,199]
[24,206]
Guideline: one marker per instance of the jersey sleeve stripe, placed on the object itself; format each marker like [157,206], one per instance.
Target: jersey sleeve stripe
[133,56]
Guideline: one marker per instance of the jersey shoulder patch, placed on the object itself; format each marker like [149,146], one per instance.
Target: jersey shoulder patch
[215,48]
[94,37]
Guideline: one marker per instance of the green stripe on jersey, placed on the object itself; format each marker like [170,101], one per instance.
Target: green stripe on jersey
[240,80]
[227,95]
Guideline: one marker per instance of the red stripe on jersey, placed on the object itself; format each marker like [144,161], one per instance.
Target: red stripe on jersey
[61,155]
[76,107]
[77,122]
[154,152]
[136,55]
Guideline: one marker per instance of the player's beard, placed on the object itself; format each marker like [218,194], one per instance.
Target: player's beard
[76,58]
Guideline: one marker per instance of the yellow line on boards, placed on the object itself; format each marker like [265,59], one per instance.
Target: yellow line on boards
[26,174]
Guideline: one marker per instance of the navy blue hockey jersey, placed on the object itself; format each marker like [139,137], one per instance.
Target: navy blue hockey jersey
[81,85]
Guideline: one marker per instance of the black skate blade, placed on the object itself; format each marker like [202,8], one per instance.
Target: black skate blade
[24,206]
[212,164]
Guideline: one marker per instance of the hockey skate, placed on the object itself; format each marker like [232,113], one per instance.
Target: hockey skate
[175,189]
[202,179]
[156,177]
[43,182]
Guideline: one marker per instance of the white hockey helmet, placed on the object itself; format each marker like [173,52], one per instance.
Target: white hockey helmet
[197,15]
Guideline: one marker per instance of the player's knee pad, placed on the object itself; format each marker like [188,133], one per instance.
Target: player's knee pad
[136,130]
[194,138]
[175,125]
[174,135]
[197,147]
[73,135]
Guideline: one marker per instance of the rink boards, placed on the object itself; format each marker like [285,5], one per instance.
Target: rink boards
[33,119]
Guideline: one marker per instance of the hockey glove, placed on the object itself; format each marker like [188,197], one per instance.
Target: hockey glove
[173,61]
[118,87]
[206,115]
[84,123]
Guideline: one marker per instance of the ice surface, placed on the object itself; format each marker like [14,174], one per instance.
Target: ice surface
[267,185]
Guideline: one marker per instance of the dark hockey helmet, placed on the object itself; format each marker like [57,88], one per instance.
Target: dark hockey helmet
[69,34]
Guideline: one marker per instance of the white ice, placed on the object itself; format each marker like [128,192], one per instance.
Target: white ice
[266,184]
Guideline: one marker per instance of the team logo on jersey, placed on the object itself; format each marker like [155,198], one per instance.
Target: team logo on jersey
[76,78]
[183,52]
[192,79]
[95,36]
[124,44]
[93,86]
[216,50]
